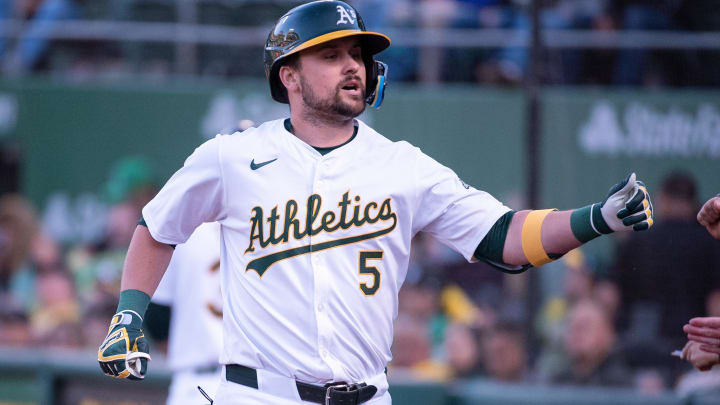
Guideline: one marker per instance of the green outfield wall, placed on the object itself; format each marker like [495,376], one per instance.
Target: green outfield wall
[72,134]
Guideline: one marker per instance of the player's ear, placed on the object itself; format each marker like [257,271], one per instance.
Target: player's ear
[290,78]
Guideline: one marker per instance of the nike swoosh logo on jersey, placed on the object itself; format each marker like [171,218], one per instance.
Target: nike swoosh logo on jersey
[261,264]
[255,166]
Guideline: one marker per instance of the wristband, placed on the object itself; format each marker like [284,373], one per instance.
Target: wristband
[581,224]
[587,223]
[134,300]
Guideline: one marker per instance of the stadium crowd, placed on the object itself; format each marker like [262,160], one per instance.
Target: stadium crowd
[30,51]
[611,325]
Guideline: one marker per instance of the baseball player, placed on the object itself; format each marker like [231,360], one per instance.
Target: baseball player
[317,212]
[191,288]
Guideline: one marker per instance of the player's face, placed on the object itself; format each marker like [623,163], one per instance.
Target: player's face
[332,78]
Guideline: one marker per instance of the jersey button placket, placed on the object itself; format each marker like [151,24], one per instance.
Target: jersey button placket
[321,287]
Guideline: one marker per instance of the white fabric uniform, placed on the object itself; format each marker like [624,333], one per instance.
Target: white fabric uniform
[191,287]
[317,305]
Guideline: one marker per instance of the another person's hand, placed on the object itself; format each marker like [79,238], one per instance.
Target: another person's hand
[706,332]
[702,360]
[709,216]
[125,352]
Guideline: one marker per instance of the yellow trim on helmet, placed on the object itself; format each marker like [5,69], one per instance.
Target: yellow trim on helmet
[335,35]
[532,238]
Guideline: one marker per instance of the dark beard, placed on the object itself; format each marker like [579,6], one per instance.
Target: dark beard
[330,107]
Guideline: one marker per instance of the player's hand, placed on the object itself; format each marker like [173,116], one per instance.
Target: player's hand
[706,332]
[125,352]
[709,216]
[702,360]
[627,206]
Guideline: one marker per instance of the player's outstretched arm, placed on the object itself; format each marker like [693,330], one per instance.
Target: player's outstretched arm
[125,352]
[705,331]
[540,236]
[709,216]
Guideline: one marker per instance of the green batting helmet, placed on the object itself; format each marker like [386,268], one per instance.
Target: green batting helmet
[318,22]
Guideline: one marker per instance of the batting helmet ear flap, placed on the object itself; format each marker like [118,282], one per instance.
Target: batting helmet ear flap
[377,80]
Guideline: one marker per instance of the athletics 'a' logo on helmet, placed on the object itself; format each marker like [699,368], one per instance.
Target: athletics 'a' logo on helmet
[347,16]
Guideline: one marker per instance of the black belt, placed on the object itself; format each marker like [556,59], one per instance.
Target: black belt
[336,393]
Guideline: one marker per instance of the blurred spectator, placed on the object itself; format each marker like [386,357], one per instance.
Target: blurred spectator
[402,62]
[132,181]
[377,14]
[568,66]
[508,65]
[95,317]
[664,278]
[511,63]
[632,67]
[504,353]
[481,65]
[702,16]
[578,283]
[430,261]
[131,184]
[590,345]
[18,228]
[420,302]
[433,14]
[55,319]
[484,287]
[462,351]
[63,335]
[43,16]
[412,350]
[14,327]
[6,13]
[459,308]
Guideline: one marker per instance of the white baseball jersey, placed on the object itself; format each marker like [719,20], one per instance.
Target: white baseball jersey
[315,247]
[191,286]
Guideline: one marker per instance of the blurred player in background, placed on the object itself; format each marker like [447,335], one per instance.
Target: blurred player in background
[189,294]
[703,348]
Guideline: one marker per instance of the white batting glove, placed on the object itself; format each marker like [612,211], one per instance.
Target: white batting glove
[626,207]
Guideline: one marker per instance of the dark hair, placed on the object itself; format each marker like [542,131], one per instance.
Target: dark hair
[292,60]
[680,185]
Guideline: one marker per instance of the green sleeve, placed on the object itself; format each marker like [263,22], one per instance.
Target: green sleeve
[491,247]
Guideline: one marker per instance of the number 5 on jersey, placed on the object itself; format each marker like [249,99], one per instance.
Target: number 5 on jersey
[370,270]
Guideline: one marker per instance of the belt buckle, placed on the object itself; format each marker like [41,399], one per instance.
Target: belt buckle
[331,388]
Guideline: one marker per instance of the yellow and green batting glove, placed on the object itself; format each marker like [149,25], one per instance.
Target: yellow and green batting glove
[125,352]
[626,207]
